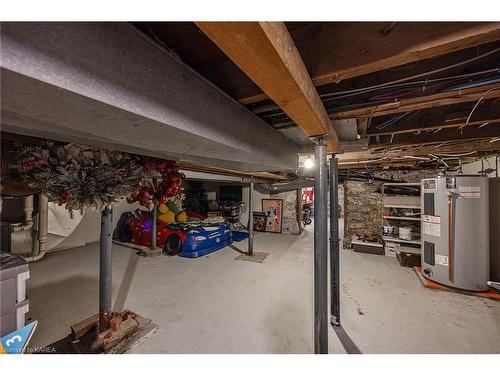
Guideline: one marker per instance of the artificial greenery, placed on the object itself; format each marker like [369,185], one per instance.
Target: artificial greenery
[81,177]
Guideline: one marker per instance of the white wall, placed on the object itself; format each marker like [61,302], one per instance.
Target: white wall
[89,229]
[476,166]
[257,203]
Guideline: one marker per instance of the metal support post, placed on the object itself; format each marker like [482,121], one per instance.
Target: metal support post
[153,226]
[334,244]
[250,218]
[105,268]
[320,252]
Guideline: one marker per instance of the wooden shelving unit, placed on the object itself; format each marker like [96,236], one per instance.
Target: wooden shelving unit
[398,197]
[402,218]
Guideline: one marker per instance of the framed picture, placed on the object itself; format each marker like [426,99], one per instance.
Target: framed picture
[273,208]
[259,221]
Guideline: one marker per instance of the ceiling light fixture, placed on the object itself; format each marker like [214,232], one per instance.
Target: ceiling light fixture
[308,163]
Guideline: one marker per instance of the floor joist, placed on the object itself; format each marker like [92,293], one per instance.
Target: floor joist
[329,50]
[429,101]
[265,51]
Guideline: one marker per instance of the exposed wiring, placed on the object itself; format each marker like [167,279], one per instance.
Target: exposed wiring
[399,118]
[479,101]
[478,57]
[439,160]
[457,155]
[425,83]
[353,92]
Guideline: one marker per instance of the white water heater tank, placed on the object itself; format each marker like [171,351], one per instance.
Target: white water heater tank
[455,231]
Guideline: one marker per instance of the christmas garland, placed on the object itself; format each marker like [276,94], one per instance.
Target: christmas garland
[163,183]
[81,177]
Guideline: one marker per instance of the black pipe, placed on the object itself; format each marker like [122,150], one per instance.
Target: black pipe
[334,244]
[320,253]
[250,217]
[105,268]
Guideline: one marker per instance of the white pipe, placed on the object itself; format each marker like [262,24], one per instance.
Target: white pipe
[28,209]
[43,224]
[457,155]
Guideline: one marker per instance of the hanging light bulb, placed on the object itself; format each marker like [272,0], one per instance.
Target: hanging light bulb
[308,163]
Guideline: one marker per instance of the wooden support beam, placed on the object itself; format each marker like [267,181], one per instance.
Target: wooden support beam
[266,52]
[345,146]
[336,51]
[230,172]
[422,102]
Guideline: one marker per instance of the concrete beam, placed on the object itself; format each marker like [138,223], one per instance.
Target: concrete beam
[105,84]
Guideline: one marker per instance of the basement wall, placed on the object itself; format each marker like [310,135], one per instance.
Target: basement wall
[363,203]
[89,229]
[476,166]
[290,220]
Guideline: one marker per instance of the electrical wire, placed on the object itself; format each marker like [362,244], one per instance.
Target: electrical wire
[458,155]
[424,83]
[478,57]
[479,101]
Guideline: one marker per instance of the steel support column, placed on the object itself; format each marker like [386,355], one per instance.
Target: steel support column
[334,244]
[250,218]
[153,228]
[320,252]
[154,218]
[105,268]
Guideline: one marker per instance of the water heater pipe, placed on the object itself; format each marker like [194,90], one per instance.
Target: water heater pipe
[451,226]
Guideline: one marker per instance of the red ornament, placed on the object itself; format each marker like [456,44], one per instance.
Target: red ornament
[165,188]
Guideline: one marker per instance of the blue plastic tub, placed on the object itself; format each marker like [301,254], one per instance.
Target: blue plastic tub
[239,236]
[203,241]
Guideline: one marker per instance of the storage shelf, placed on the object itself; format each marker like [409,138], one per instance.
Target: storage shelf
[402,218]
[395,239]
[401,206]
[401,184]
[406,249]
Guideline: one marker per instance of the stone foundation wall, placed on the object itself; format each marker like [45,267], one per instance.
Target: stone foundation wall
[364,210]
[290,223]
[341,199]
[364,203]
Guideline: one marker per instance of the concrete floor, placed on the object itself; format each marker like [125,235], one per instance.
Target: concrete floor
[218,305]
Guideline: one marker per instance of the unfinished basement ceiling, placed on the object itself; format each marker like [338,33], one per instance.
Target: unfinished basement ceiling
[398,89]
[391,91]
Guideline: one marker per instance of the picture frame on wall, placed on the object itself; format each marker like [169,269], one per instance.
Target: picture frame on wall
[259,221]
[273,209]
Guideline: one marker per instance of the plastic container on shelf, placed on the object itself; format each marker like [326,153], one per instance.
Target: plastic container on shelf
[388,230]
[405,233]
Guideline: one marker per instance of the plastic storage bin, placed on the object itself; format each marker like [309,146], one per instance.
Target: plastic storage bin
[13,302]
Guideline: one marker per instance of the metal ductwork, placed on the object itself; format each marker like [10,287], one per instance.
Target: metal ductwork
[108,85]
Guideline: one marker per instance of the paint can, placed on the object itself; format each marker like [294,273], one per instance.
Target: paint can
[405,233]
[388,231]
